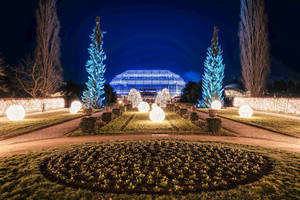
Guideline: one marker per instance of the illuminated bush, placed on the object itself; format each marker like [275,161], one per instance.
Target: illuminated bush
[143,107]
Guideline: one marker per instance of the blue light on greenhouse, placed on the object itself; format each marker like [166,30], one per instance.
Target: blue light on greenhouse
[148,80]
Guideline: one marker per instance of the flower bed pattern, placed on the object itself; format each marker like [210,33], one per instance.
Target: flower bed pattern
[155,166]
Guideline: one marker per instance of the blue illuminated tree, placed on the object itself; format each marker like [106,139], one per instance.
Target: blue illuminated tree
[212,80]
[94,95]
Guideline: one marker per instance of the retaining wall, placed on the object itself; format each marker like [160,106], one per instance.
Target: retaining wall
[32,105]
[281,105]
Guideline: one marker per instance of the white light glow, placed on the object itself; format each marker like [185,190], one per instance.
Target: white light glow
[75,107]
[154,105]
[245,111]
[15,112]
[120,102]
[143,107]
[216,105]
[157,115]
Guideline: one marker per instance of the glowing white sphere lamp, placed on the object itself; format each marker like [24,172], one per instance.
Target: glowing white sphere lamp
[245,111]
[75,107]
[157,115]
[143,107]
[154,106]
[15,112]
[216,105]
[120,102]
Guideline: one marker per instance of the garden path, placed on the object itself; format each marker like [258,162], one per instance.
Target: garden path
[56,131]
[54,136]
[244,130]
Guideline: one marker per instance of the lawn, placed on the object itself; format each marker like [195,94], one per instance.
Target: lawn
[278,124]
[152,169]
[136,122]
[30,123]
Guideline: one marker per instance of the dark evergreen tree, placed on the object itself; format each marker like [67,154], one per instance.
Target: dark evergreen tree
[212,81]
[94,96]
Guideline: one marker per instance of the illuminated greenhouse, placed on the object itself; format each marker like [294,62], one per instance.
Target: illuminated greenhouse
[148,81]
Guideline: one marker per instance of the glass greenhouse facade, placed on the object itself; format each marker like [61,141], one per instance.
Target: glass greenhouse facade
[148,81]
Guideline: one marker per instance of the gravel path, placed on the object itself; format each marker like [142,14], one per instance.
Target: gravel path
[54,136]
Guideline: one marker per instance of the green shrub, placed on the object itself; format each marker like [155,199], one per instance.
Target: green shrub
[122,108]
[128,107]
[116,111]
[88,111]
[199,123]
[183,111]
[194,116]
[99,124]
[214,124]
[87,124]
[106,117]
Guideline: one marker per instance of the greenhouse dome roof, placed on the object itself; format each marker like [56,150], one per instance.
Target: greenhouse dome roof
[147,79]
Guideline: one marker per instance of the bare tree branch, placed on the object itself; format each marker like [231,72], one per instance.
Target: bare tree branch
[47,52]
[254,46]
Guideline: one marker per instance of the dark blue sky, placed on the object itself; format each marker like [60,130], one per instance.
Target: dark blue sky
[152,34]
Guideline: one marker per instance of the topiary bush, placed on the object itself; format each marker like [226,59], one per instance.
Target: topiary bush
[99,124]
[194,116]
[122,108]
[199,123]
[214,124]
[183,111]
[106,117]
[116,111]
[87,124]
[128,107]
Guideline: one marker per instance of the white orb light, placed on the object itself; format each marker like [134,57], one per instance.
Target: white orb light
[15,112]
[154,106]
[245,111]
[143,107]
[75,107]
[157,115]
[216,105]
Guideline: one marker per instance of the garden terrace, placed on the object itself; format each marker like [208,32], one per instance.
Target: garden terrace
[281,125]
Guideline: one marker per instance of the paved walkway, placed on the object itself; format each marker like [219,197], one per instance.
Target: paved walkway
[54,136]
[56,131]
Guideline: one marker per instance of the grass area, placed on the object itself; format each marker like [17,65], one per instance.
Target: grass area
[89,171]
[279,124]
[34,122]
[140,123]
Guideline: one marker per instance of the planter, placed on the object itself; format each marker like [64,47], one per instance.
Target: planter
[88,111]
[212,113]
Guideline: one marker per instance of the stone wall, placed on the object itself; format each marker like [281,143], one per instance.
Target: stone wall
[282,105]
[32,105]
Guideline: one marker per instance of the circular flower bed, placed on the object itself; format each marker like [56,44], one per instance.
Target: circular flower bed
[155,166]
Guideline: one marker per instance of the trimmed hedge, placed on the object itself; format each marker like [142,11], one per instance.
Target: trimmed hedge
[116,111]
[214,124]
[87,124]
[194,116]
[183,111]
[106,117]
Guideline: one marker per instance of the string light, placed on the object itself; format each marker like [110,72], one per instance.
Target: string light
[15,112]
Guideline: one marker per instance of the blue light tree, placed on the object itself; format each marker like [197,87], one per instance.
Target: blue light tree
[212,80]
[94,95]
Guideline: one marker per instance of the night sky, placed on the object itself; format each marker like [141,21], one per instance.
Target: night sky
[153,34]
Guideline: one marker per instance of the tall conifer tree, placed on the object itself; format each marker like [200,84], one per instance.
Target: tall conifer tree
[212,81]
[94,95]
